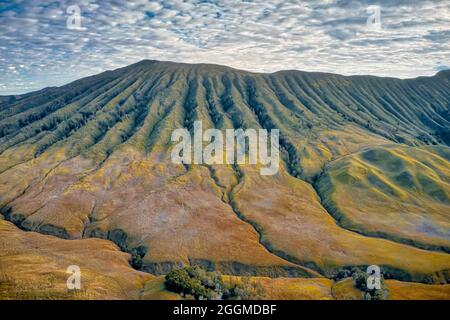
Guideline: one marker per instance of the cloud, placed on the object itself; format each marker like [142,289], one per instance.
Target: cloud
[37,49]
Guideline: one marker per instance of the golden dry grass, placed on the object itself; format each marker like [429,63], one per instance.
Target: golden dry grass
[292,220]
[156,290]
[291,288]
[33,266]
[346,290]
[417,291]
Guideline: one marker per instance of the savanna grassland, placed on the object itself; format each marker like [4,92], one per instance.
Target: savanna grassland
[86,179]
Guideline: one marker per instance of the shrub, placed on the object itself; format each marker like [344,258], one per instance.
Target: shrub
[360,280]
[194,281]
[246,290]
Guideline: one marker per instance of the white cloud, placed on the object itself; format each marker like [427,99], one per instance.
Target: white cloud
[266,36]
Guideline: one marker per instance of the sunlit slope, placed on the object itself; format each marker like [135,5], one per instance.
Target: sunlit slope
[397,192]
[33,266]
[314,289]
[288,213]
[416,291]
[289,288]
[303,105]
[92,159]
[396,290]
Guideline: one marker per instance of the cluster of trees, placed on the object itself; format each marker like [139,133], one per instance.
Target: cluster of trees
[360,280]
[195,282]
[360,277]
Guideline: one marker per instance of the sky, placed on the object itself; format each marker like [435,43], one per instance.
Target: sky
[51,43]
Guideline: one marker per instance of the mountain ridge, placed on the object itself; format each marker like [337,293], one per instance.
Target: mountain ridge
[445,72]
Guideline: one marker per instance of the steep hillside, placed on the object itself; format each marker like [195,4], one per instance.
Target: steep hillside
[364,176]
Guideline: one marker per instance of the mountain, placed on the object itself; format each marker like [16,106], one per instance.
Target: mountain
[364,176]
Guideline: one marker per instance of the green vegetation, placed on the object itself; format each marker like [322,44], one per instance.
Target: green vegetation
[193,281]
[360,281]
[359,277]
[136,258]
[354,188]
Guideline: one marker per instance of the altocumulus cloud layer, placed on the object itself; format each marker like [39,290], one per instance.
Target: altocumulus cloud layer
[37,49]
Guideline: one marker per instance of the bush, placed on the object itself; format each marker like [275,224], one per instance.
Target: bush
[194,281]
[246,290]
[360,280]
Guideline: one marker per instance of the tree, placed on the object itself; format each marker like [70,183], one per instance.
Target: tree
[360,280]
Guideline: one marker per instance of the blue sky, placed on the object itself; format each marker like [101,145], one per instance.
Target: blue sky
[37,49]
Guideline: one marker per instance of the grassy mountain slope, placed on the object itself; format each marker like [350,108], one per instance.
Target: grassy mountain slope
[395,192]
[364,177]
